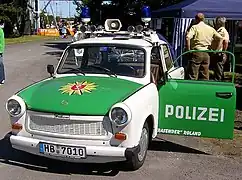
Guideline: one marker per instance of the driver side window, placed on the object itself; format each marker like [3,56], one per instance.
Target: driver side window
[156,65]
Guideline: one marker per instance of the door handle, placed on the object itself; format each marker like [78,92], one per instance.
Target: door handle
[225,95]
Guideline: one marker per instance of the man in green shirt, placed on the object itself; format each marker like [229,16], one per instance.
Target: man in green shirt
[2,47]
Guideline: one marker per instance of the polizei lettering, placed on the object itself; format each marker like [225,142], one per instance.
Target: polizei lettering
[195,113]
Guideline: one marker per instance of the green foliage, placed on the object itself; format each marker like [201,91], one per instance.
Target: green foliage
[86,2]
[9,12]
[122,8]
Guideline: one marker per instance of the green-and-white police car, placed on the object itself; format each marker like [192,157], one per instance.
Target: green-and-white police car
[110,95]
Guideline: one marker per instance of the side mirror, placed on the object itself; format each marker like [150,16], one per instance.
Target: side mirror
[50,69]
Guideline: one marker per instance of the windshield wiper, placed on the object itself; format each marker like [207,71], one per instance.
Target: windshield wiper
[75,69]
[105,69]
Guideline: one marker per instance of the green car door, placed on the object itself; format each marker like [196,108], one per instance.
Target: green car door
[197,108]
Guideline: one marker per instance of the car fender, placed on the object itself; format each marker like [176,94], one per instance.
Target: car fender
[142,103]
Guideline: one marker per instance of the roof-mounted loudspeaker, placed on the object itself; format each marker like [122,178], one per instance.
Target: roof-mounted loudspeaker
[113,25]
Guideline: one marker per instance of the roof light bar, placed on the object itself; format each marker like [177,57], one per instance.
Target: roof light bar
[85,15]
[139,28]
[131,29]
[93,28]
[145,15]
[83,28]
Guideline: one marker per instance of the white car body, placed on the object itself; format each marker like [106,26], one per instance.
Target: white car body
[104,148]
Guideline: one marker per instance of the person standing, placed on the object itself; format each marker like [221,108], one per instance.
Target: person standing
[221,58]
[200,37]
[2,47]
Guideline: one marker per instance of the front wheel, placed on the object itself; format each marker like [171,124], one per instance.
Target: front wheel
[138,158]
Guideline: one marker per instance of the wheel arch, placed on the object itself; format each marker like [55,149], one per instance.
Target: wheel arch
[152,126]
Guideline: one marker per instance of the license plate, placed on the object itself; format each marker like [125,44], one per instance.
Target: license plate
[62,151]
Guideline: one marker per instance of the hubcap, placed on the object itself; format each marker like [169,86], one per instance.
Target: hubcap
[143,144]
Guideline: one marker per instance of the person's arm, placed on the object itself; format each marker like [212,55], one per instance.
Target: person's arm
[223,32]
[226,41]
[225,45]
[219,38]
[1,40]
[189,36]
[188,43]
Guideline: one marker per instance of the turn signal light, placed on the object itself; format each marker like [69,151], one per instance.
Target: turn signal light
[17,126]
[120,136]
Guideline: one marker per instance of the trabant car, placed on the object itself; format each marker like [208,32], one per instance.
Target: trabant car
[110,95]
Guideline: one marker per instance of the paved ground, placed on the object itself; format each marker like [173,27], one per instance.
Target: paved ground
[25,64]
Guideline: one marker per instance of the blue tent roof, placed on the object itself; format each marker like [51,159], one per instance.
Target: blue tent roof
[231,9]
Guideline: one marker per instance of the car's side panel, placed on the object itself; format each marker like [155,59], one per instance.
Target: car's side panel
[197,108]
[142,104]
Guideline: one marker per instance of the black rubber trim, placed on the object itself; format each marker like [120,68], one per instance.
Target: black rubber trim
[136,91]
[7,136]
[131,152]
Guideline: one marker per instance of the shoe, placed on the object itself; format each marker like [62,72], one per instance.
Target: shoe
[1,83]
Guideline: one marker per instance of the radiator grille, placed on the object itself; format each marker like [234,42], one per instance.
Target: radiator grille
[68,127]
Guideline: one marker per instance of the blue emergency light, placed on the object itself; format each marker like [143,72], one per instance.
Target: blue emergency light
[85,15]
[145,14]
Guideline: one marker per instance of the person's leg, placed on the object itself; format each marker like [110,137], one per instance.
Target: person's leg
[219,69]
[212,64]
[193,67]
[2,73]
[204,69]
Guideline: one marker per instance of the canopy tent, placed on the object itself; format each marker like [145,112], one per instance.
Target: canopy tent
[185,11]
[231,9]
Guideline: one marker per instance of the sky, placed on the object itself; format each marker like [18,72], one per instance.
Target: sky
[62,7]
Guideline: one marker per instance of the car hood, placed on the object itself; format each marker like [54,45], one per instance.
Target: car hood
[77,95]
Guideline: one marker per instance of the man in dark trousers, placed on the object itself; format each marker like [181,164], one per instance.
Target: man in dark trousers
[200,37]
[221,58]
[2,47]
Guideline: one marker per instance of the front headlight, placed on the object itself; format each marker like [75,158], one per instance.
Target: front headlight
[15,106]
[120,114]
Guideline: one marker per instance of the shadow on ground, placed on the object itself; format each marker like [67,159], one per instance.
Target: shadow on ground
[61,45]
[238,125]
[10,156]
[162,145]
[54,53]
[239,97]
[58,47]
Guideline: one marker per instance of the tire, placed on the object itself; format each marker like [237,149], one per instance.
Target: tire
[138,158]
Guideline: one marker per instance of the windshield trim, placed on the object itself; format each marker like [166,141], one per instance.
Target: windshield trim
[65,53]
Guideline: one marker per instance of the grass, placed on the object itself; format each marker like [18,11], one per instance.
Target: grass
[28,38]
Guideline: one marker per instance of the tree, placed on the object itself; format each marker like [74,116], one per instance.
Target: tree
[24,15]
[9,14]
[123,9]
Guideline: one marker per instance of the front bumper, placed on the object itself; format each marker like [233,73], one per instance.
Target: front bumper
[95,154]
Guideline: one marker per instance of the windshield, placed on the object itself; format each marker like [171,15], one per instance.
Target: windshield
[111,60]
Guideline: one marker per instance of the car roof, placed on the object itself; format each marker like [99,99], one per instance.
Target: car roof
[117,40]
